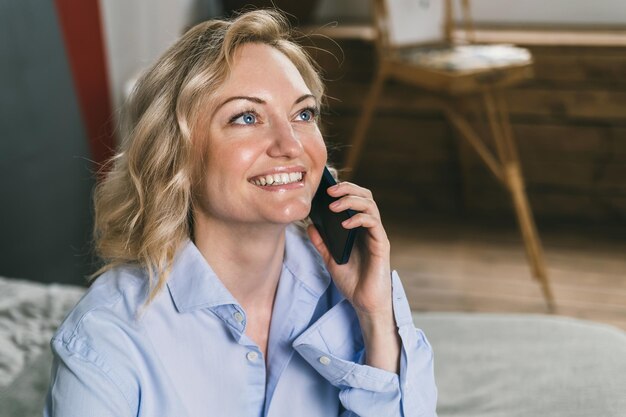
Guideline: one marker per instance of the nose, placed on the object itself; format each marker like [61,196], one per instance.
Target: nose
[285,142]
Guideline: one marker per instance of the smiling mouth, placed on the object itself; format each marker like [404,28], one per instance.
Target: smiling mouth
[272,180]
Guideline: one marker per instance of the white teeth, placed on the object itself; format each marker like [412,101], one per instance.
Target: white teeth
[278,179]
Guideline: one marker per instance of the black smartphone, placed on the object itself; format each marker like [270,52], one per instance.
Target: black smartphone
[337,239]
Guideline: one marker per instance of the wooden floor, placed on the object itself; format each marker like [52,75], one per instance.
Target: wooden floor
[449,265]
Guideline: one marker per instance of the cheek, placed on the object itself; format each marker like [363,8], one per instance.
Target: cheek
[317,152]
[230,162]
[316,148]
[240,157]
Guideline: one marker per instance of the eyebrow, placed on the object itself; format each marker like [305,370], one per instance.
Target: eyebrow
[304,97]
[261,101]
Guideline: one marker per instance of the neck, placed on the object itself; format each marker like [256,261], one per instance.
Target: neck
[247,259]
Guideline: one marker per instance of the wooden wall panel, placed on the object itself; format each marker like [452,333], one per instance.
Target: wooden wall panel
[582,104]
[570,125]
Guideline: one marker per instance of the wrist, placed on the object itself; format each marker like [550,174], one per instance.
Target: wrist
[379,323]
[382,341]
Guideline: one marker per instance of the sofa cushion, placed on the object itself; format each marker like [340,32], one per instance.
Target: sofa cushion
[511,365]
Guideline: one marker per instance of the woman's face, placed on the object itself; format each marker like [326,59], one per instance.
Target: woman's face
[264,153]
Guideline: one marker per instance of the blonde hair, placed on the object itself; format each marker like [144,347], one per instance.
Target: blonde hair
[143,207]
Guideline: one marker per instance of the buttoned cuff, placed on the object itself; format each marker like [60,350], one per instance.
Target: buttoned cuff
[334,346]
[347,374]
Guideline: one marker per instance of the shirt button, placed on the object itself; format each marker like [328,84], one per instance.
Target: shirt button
[325,360]
[252,356]
[238,316]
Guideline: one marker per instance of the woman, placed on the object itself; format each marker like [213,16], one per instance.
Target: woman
[212,301]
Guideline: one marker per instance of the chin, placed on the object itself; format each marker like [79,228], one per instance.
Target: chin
[292,213]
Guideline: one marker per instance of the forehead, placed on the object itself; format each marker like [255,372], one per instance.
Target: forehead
[259,68]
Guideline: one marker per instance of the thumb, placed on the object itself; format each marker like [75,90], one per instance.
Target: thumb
[316,239]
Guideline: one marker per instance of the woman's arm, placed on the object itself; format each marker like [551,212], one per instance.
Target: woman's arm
[382,342]
[81,387]
[365,279]
[392,345]
[330,347]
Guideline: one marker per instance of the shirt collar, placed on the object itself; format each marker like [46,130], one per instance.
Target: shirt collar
[304,262]
[193,284]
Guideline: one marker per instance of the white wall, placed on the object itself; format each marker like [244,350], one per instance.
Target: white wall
[583,12]
[137,32]
[588,12]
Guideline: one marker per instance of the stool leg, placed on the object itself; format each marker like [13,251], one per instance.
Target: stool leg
[503,136]
[464,129]
[358,138]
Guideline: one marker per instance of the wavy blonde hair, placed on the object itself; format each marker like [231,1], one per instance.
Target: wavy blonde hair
[143,207]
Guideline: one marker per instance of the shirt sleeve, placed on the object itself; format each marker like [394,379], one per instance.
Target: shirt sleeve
[333,346]
[81,385]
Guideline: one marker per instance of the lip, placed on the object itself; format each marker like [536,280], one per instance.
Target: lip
[283,187]
[280,170]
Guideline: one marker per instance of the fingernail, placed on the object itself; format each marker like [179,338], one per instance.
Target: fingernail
[334,204]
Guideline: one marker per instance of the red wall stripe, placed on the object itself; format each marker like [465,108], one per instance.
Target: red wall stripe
[81,27]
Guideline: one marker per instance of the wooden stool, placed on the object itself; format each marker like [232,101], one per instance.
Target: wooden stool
[434,63]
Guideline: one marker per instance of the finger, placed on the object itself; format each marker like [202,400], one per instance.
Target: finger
[316,239]
[373,225]
[346,187]
[361,219]
[364,205]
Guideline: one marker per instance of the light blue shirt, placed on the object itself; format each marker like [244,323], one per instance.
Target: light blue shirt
[187,354]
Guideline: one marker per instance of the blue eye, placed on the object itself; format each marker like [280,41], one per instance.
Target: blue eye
[247,118]
[307,115]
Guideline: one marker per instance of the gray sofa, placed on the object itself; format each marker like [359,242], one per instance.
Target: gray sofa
[487,365]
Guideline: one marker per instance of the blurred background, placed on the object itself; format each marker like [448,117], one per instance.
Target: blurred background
[65,66]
